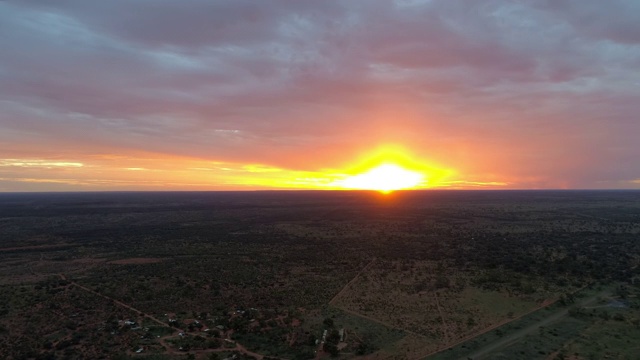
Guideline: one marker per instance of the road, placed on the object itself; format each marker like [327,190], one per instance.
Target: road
[162,340]
[120,303]
[348,285]
[445,331]
[517,335]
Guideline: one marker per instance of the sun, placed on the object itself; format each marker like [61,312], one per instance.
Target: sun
[384,178]
[388,168]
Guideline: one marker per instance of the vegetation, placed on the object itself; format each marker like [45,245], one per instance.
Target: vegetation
[288,274]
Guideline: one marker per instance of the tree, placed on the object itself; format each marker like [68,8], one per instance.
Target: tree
[328,322]
[333,337]
[304,355]
[366,346]
[604,315]
[331,348]
[471,322]
[442,282]
[311,340]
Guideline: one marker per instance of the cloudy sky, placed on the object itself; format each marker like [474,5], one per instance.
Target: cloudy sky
[197,95]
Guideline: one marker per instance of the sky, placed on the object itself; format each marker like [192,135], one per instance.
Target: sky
[243,95]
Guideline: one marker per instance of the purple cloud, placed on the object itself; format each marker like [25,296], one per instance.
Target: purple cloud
[514,89]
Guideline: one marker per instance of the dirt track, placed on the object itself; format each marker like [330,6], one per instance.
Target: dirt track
[63,277]
[515,336]
[344,288]
[162,340]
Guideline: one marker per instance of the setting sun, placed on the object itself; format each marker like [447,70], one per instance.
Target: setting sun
[384,178]
[390,167]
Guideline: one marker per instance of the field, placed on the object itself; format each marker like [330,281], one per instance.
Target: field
[310,275]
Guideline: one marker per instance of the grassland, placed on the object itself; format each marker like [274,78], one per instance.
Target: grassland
[266,274]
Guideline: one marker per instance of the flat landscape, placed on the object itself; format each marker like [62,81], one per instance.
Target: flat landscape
[320,274]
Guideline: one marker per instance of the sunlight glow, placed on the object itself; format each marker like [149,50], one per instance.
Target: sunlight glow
[388,168]
[385,169]
[384,178]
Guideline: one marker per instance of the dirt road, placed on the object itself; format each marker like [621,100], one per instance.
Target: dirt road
[517,335]
[445,332]
[162,340]
[344,288]
[120,303]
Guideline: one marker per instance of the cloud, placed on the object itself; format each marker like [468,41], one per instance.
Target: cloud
[518,90]
[27,163]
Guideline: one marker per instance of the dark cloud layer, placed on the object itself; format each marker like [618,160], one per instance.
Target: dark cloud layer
[541,92]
